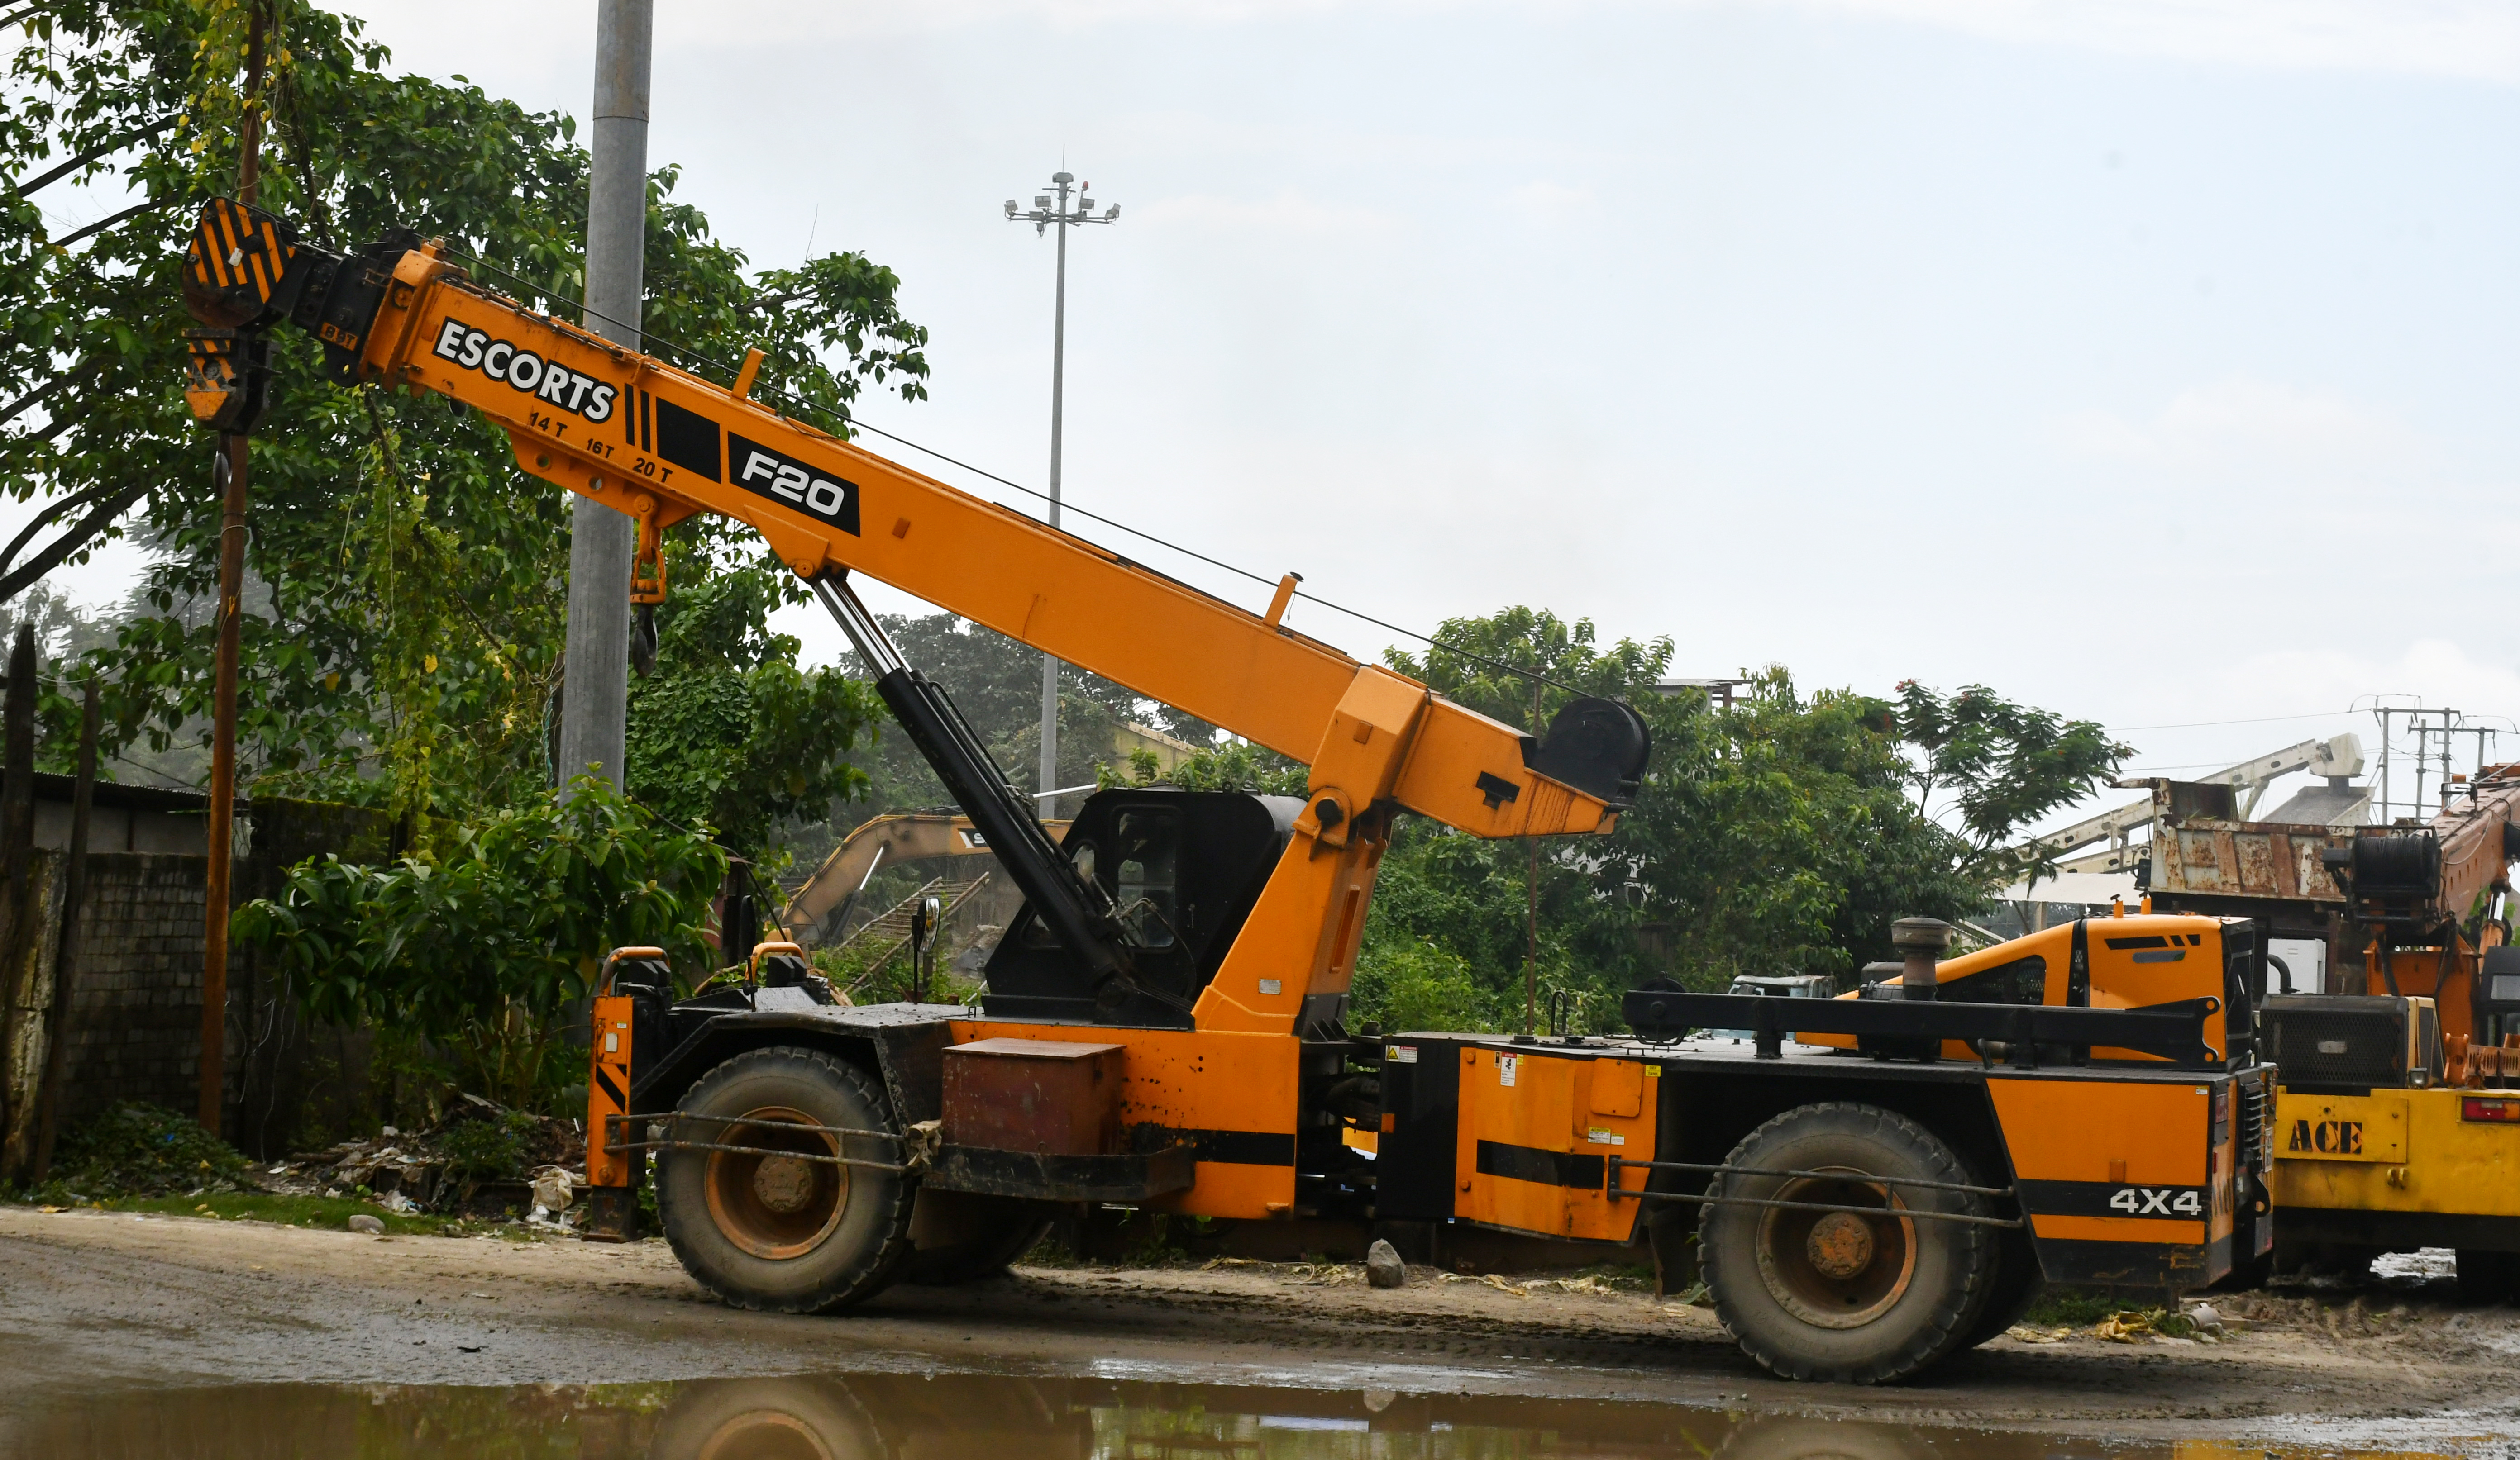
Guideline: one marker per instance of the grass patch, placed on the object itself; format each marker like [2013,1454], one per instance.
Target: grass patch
[2076,1307]
[315,1213]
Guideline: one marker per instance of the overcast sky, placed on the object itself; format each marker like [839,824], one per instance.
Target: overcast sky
[2150,361]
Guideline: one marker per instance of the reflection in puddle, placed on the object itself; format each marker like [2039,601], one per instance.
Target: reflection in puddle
[969,1417]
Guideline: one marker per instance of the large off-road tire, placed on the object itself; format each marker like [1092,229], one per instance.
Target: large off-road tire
[766,1419]
[1782,1437]
[964,1237]
[2018,1283]
[780,1234]
[1845,1296]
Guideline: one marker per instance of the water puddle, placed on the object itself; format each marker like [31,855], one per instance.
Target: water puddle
[960,1416]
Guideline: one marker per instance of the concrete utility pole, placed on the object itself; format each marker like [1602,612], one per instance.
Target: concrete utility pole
[221,831]
[594,712]
[1046,211]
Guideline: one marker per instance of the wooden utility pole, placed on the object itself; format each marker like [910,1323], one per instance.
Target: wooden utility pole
[223,711]
[18,938]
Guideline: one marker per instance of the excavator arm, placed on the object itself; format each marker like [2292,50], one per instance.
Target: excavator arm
[660,444]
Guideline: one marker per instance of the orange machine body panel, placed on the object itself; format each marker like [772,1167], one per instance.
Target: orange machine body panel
[1538,1126]
[1229,1094]
[2143,1162]
[2130,962]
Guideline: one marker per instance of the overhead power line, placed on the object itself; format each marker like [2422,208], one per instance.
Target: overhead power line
[855,424]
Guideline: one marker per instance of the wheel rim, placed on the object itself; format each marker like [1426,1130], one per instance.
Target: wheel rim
[776,1206]
[1837,1270]
[765,1434]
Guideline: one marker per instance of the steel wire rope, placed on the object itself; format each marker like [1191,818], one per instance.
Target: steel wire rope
[855,424]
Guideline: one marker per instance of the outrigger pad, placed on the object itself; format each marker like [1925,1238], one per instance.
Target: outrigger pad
[1597,746]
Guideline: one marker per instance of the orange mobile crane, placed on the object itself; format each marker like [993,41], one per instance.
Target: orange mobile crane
[1163,1020]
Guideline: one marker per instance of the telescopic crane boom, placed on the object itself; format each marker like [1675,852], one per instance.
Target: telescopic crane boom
[660,444]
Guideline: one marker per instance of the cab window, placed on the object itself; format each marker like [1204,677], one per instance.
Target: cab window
[1146,858]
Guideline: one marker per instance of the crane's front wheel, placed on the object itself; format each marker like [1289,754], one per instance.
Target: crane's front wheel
[767,1419]
[769,1221]
[964,1237]
[2014,1286]
[1822,1269]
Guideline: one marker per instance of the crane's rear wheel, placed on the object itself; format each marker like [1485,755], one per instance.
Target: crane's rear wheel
[1869,1289]
[768,1225]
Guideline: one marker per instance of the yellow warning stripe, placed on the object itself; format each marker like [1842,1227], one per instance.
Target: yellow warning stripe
[223,244]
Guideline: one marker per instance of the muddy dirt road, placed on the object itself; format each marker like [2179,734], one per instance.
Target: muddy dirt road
[93,1302]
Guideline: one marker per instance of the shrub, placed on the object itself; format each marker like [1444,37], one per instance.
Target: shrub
[132,1149]
[491,1148]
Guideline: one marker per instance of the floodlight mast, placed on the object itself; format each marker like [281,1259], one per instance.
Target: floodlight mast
[1049,210]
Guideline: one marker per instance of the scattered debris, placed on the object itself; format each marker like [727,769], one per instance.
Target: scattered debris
[1322,1274]
[555,1189]
[470,1164]
[1592,1283]
[1383,1267]
[1489,1278]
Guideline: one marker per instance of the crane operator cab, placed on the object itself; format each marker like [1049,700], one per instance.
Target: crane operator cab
[1180,870]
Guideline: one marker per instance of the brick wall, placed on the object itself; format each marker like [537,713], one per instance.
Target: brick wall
[135,1024]
[135,1016]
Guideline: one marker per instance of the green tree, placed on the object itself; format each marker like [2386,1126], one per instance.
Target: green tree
[2003,766]
[479,951]
[1450,906]
[995,683]
[401,644]
[727,731]
[1781,833]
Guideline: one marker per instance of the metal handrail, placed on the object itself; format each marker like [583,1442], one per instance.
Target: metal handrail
[754,1119]
[616,1126]
[1901,1212]
[1621,1163]
[1618,1164]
